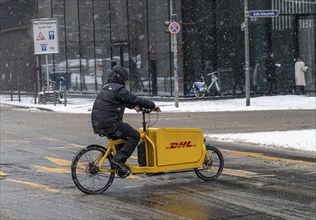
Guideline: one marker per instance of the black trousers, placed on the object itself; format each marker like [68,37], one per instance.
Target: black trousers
[300,90]
[131,135]
[272,83]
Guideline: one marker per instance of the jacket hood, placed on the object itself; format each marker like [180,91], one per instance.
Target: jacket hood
[118,75]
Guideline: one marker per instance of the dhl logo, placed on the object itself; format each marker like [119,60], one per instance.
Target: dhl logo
[182,144]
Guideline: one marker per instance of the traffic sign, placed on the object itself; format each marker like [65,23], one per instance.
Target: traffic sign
[45,34]
[174,27]
[263,13]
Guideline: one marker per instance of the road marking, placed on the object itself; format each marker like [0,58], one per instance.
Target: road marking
[35,185]
[133,177]
[20,141]
[3,173]
[9,132]
[240,173]
[75,145]
[59,162]
[259,155]
[49,139]
[51,169]
[68,146]
[129,187]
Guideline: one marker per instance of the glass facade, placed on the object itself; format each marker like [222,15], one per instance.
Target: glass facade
[95,35]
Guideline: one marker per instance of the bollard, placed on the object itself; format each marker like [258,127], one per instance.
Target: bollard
[19,92]
[11,92]
[44,95]
[65,96]
[35,94]
[54,93]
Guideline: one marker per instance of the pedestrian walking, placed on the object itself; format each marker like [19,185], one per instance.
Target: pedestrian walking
[300,70]
[271,73]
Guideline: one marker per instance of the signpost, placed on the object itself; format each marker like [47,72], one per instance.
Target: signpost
[245,27]
[174,28]
[45,36]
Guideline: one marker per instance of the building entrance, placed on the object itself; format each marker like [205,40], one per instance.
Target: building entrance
[307,46]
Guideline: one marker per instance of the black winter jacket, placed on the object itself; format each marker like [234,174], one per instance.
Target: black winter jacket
[109,106]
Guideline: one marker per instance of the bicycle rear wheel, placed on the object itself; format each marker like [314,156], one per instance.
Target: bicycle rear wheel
[213,164]
[198,94]
[85,170]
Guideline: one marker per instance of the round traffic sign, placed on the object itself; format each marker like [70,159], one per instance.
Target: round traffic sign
[174,27]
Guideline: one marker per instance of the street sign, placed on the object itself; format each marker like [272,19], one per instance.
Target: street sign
[45,34]
[263,13]
[174,27]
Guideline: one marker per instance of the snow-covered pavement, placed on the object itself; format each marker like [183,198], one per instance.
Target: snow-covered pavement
[302,139]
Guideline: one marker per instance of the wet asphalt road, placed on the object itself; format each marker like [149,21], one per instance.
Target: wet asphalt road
[257,182]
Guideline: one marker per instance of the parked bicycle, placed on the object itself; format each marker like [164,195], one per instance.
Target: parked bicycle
[160,150]
[136,85]
[200,89]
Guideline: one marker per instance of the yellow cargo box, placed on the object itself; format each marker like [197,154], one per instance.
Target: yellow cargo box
[174,146]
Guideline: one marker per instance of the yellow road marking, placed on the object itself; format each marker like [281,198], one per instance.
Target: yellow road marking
[15,141]
[129,187]
[133,177]
[50,169]
[134,157]
[75,145]
[49,139]
[9,132]
[59,162]
[240,173]
[3,173]
[258,155]
[35,185]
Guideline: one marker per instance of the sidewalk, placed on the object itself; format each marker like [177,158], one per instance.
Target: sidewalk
[302,139]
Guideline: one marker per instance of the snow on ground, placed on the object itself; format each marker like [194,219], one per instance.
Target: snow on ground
[302,139]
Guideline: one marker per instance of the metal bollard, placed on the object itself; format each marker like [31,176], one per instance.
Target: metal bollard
[11,92]
[54,93]
[65,96]
[19,92]
[44,95]
[35,94]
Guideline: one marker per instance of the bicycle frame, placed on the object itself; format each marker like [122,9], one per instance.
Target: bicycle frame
[167,150]
[213,81]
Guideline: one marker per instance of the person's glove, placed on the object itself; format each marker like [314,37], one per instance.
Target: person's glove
[157,109]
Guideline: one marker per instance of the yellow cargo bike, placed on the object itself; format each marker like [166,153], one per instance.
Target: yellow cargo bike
[160,151]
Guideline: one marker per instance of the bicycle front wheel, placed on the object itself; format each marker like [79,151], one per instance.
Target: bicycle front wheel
[198,94]
[213,164]
[86,172]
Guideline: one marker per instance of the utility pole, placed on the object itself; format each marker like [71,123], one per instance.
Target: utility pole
[247,57]
[173,29]
[175,69]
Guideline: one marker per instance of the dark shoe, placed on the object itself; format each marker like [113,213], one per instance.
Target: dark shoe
[121,166]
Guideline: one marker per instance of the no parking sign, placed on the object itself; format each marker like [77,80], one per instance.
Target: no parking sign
[174,27]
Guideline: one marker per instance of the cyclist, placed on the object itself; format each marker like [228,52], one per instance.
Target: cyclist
[108,110]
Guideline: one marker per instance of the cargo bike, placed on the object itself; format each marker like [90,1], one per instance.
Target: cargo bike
[160,151]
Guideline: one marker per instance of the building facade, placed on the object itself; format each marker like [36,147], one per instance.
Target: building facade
[95,35]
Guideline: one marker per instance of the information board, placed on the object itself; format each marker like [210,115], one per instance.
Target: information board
[45,34]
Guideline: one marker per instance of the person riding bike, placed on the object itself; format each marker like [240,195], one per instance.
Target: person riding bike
[108,110]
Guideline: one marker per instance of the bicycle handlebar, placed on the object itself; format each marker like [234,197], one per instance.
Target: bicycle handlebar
[212,73]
